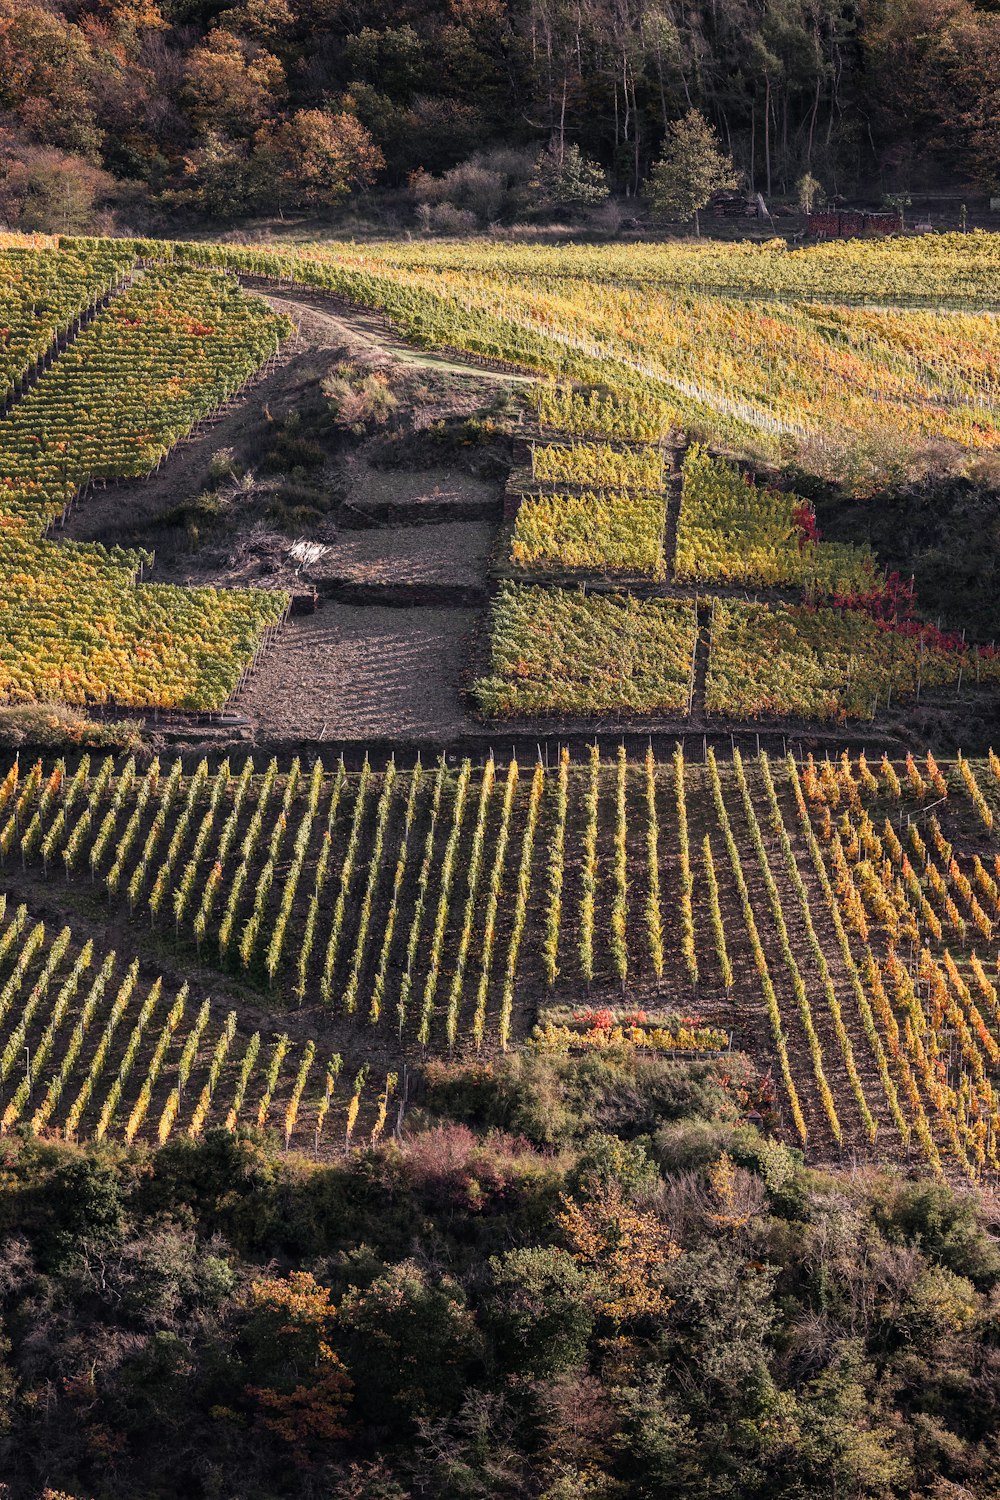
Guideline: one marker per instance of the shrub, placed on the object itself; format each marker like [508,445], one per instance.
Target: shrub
[51,726]
[607,1158]
[409,1343]
[557,1100]
[222,465]
[537,1311]
[945,1225]
[445,218]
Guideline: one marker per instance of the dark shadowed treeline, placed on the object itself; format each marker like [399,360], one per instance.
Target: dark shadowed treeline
[234,107]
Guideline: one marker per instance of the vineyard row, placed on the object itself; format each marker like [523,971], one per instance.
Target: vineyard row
[837,920]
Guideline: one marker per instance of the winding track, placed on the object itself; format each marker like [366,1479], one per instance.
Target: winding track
[358,326]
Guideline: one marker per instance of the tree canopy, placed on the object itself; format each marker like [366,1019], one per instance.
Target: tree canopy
[184,103]
[691,168]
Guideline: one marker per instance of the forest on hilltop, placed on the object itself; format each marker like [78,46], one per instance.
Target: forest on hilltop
[228,108]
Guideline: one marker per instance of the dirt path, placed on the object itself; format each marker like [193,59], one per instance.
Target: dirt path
[699,687]
[675,484]
[318,316]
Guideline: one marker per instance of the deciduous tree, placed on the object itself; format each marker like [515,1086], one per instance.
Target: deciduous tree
[626,1246]
[563,175]
[539,1310]
[410,1341]
[692,166]
[301,1387]
[44,188]
[46,76]
[232,85]
[315,159]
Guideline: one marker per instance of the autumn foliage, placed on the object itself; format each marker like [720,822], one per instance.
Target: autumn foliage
[288,1328]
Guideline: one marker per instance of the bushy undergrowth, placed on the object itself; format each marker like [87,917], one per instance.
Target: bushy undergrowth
[568,1278]
[54,726]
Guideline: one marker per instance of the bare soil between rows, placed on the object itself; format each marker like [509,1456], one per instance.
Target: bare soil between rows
[353,672]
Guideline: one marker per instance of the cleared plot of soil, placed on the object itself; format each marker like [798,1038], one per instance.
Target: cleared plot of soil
[356,672]
[452,553]
[437,492]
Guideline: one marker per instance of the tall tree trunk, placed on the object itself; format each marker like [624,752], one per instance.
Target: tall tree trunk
[767,132]
[784,138]
[753,146]
[835,99]
[626,103]
[812,123]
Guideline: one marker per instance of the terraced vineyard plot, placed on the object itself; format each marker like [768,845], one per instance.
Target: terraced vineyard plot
[596,531]
[172,347]
[76,626]
[556,652]
[636,418]
[931,918]
[708,355]
[933,270]
[43,293]
[733,531]
[89,1050]
[411,901]
[596,465]
[74,623]
[827,664]
[595,655]
[836,921]
[334,891]
[884,1038]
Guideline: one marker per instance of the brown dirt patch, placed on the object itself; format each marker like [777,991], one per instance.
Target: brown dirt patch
[452,553]
[373,490]
[364,672]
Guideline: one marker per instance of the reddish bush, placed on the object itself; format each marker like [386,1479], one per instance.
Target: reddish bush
[453,1167]
[595,1020]
[805,520]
